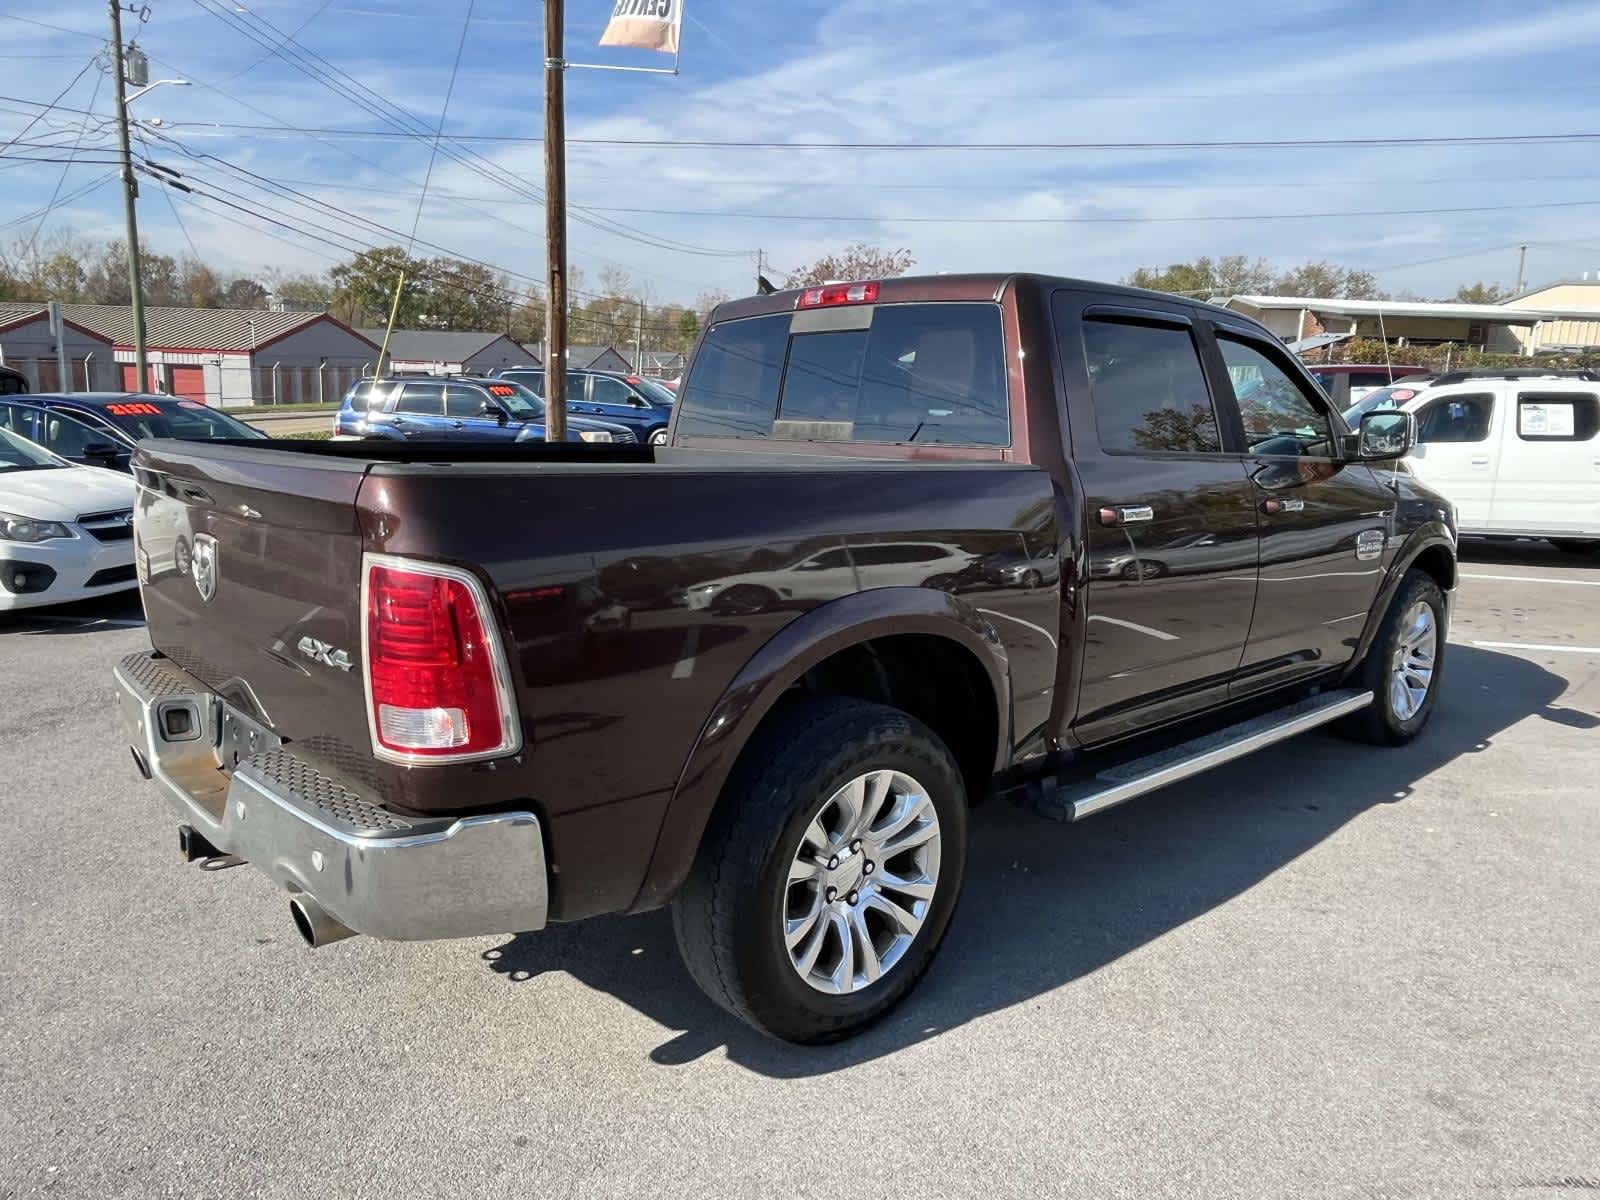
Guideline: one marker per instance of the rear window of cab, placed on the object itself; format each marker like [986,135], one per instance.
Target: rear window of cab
[924,374]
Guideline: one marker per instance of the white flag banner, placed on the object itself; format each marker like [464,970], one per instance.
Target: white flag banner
[645,24]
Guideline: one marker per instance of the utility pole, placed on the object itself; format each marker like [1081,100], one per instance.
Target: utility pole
[130,193]
[638,340]
[555,223]
[761,259]
[1522,259]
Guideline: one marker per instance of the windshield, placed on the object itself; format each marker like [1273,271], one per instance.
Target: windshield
[188,420]
[521,402]
[1383,398]
[19,454]
[656,392]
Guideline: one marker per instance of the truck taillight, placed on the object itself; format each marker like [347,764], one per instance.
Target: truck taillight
[438,689]
[838,293]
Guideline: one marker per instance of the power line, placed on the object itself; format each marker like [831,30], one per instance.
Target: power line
[1511,139]
[890,219]
[298,30]
[61,180]
[92,185]
[48,107]
[403,123]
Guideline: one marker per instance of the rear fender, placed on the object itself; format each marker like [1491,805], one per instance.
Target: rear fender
[775,668]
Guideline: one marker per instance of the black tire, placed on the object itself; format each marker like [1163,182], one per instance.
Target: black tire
[729,913]
[658,438]
[1031,579]
[744,600]
[1381,723]
[1575,545]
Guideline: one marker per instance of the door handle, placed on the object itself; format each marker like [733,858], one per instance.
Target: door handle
[1127,514]
[457,425]
[1481,461]
[1275,506]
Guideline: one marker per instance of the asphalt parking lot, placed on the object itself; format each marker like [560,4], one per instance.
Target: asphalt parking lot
[1325,971]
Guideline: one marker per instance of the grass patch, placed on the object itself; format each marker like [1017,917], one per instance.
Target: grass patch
[256,409]
[312,435]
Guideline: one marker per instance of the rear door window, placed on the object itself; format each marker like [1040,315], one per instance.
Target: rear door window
[360,396]
[609,391]
[1460,418]
[1149,390]
[462,401]
[421,399]
[1557,416]
[924,374]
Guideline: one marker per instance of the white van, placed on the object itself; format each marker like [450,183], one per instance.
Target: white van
[1518,452]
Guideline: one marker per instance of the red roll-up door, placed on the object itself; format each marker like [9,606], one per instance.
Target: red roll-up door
[189,382]
[130,377]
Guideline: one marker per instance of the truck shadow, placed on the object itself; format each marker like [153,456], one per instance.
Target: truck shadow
[1045,905]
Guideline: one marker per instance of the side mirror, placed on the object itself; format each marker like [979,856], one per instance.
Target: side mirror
[1385,434]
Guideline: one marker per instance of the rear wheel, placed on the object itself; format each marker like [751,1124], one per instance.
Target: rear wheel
[828,874]
[1403,664]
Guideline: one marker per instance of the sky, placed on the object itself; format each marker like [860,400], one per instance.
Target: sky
[685,220]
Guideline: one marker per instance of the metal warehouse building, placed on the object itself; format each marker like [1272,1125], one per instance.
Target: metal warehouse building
[447,352]
[229,357]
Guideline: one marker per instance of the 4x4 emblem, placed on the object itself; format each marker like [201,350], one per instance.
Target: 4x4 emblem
[325,654]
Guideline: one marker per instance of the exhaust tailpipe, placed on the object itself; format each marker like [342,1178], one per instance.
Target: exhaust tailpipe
[315,924]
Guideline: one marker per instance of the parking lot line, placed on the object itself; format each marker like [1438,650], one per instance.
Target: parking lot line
[1533,579]
[1538,646]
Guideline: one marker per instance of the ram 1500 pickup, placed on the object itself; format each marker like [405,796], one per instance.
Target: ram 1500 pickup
[913,543]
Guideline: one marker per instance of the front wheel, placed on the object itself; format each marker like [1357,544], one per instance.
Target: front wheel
[658,438]
[1403,664]
[829,872]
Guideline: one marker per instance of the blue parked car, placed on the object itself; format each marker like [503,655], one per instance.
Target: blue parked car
[138,415]
[459,408]
[640,404]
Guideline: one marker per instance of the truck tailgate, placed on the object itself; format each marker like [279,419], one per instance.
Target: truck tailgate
[249,563]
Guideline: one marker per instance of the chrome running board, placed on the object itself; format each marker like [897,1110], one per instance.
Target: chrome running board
[1074,800]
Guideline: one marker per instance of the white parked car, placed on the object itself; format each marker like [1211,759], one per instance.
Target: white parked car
[1518,452]
[66,532]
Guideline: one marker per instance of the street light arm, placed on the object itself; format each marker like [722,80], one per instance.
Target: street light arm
[150,87]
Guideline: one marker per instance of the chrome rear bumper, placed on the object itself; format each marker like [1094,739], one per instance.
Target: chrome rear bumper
[402,878]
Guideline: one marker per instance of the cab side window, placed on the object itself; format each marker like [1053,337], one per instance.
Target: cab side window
[1149,390]
[1280,414]
[1456,419]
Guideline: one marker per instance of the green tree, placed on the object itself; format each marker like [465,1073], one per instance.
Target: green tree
[1482,293]
[244,293]
[1326,282]
[363,289]
[1230,275]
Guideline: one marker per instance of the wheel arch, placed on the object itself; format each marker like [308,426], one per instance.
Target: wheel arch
[852,646]
[1432,549]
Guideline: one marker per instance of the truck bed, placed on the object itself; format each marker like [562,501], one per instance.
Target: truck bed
[631,587]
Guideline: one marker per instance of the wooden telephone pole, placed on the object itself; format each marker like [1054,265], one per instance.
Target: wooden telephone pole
[555,224]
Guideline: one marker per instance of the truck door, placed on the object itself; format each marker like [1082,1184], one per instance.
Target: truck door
[1324,522]
[1171,520]
[1460,439]
[1549,477]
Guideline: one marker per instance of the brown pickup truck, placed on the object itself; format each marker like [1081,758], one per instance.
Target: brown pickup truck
[913,543]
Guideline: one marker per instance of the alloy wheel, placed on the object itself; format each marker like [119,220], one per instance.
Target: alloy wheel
[862,882]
